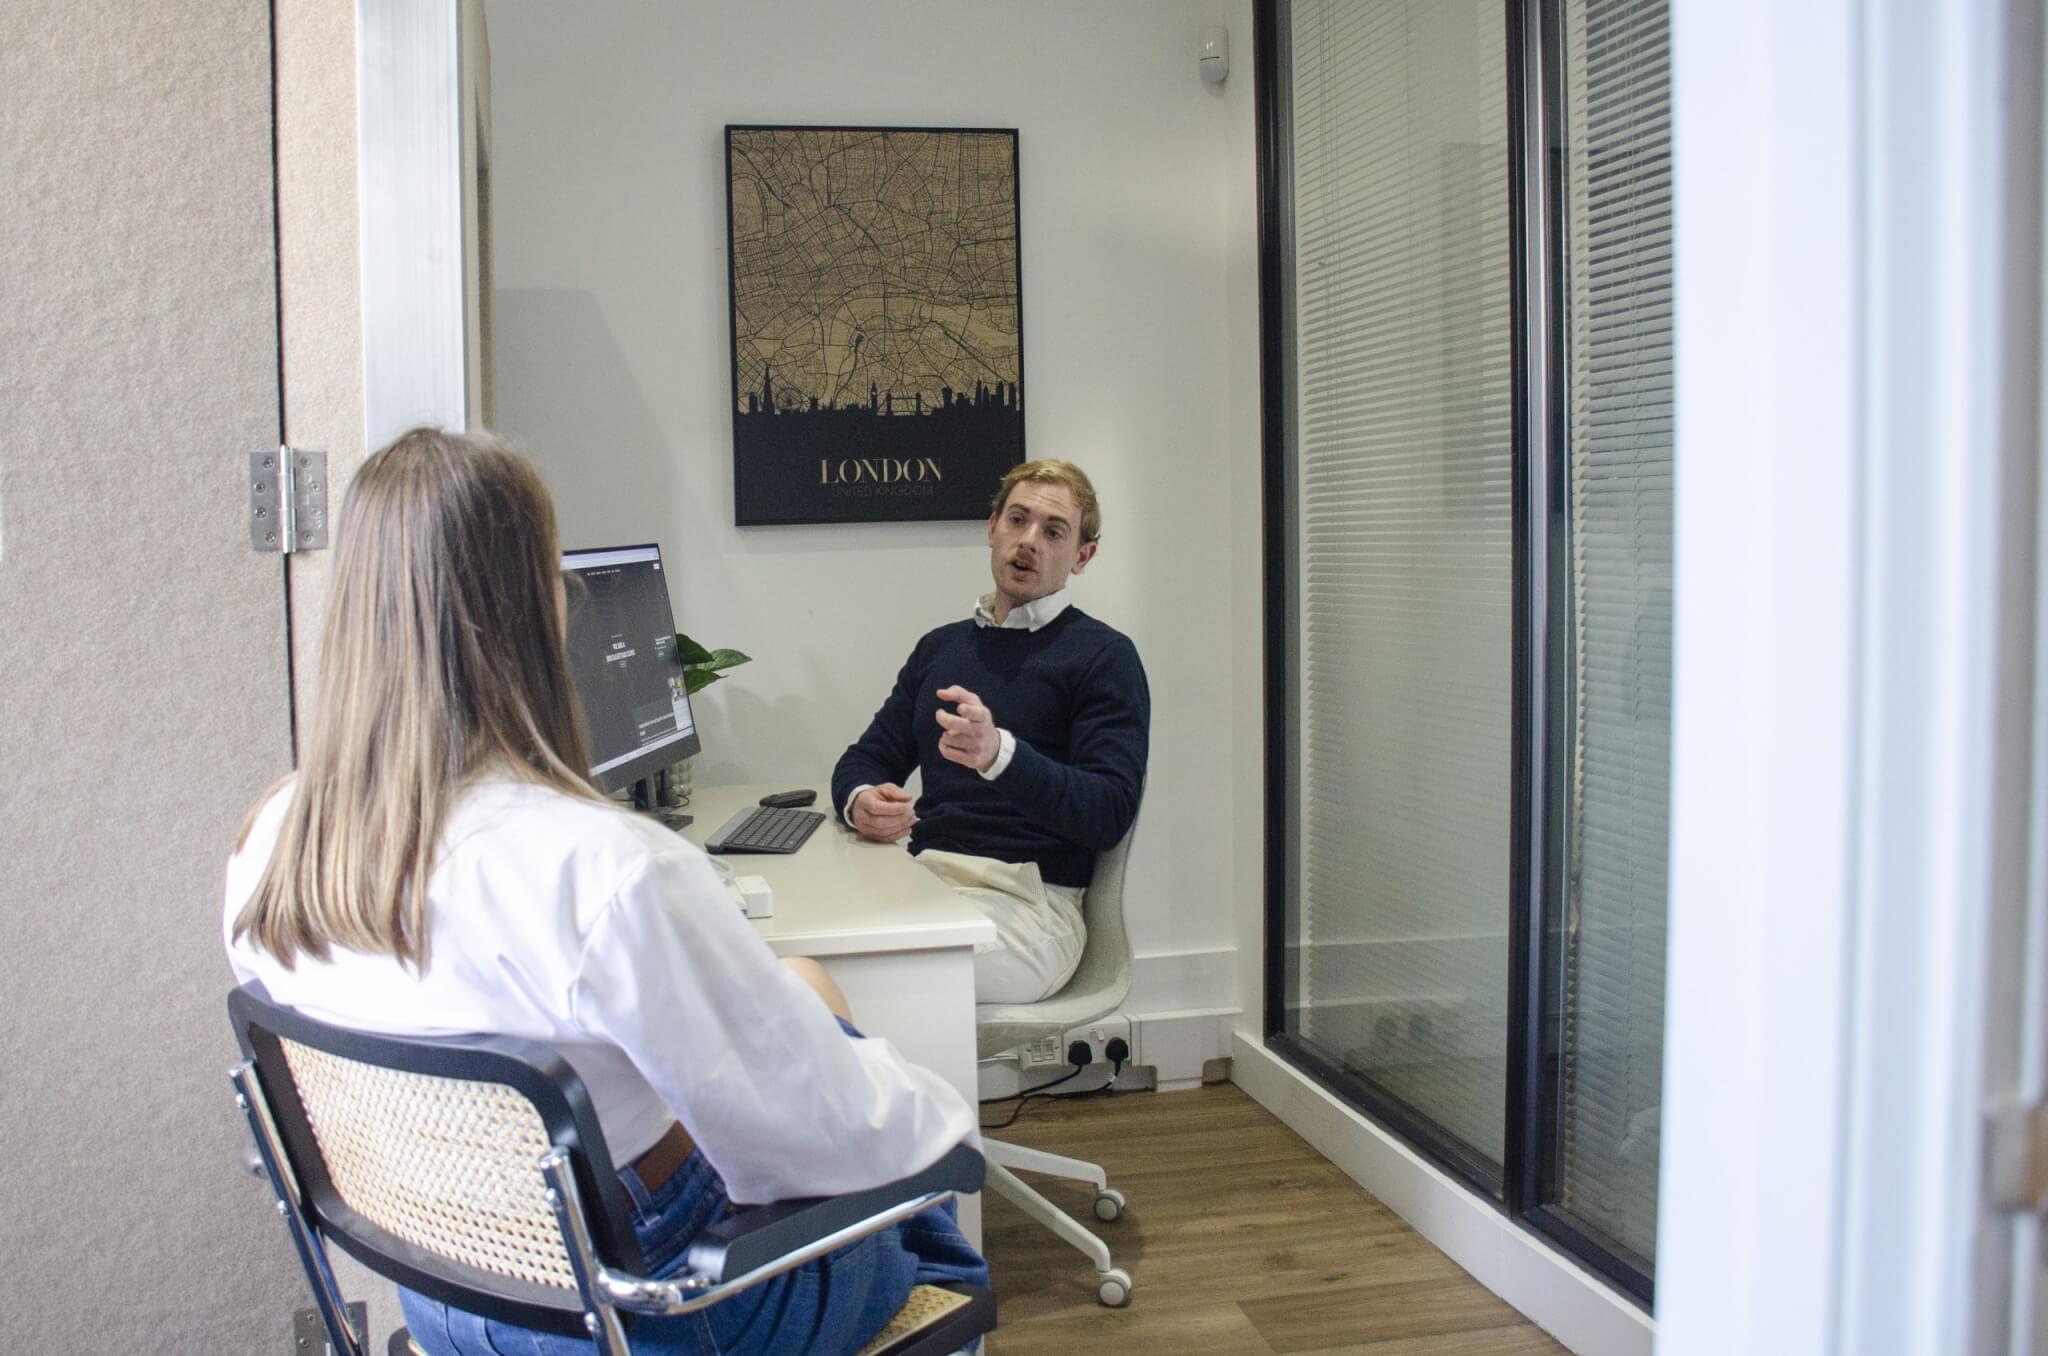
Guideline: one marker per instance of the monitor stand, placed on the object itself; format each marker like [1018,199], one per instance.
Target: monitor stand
[647,800]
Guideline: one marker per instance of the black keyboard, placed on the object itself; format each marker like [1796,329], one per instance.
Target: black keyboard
[759,828]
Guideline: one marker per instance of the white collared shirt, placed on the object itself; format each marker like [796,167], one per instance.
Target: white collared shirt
[610,939]
[1024,616]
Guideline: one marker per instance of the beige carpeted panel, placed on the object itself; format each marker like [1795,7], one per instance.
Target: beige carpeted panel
[142,694]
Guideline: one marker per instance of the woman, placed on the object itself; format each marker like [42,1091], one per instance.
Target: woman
[441,864]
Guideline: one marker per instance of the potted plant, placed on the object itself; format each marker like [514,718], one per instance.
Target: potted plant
[701,668]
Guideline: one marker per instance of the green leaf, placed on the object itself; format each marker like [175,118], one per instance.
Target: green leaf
[700,666]
[725,659]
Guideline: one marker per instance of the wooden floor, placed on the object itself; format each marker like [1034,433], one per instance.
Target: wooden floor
[1239,1239]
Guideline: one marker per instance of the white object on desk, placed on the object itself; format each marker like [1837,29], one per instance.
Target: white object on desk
[755,896]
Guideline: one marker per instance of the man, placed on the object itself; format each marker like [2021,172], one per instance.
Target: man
[1029,724]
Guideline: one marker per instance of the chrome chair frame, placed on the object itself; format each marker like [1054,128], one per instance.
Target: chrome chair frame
[582,1189]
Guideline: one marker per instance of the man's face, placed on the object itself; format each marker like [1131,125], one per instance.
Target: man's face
[1034,542]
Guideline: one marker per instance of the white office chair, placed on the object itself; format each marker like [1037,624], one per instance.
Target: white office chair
[1098,987]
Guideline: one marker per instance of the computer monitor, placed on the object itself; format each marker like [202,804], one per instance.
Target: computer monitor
[623,660]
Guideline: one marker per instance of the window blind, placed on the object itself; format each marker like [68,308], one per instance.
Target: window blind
[1617,246]
[1401,362]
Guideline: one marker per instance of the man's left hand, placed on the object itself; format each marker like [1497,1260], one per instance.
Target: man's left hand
[970,737]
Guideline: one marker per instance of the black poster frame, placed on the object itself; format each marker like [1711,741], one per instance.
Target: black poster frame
[913,475]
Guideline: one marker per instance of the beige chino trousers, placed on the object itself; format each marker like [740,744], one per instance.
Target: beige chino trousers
[1039,932]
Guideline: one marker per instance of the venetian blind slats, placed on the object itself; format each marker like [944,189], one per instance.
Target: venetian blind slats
[1619,382]
[1404,532]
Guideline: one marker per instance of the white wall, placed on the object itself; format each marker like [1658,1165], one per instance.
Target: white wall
[1137,194]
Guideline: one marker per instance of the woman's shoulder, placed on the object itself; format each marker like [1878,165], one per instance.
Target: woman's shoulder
[260,828]
[570,857]
[544,822]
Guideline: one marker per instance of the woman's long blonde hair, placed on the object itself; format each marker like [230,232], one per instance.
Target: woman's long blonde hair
[442,657]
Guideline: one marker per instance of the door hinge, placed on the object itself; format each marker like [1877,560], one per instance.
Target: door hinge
[287,500]
[2016,1157]
[309,1334]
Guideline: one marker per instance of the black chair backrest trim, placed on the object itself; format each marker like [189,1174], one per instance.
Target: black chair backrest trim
[528,1067]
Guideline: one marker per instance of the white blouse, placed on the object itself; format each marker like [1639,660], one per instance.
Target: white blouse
[608,938]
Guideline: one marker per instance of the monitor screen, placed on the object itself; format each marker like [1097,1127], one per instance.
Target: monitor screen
[623,660]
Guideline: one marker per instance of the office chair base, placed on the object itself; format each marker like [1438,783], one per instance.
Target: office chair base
[1021,1159]
[1113,1284]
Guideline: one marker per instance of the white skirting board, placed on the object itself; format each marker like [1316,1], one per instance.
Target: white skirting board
[1554,1292]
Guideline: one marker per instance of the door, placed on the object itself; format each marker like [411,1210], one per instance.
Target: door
[2023,1007]
[143,694]
[2011,1268]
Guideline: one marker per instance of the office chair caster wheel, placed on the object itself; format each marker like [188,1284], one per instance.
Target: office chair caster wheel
[1109,1204]
[1114,1288]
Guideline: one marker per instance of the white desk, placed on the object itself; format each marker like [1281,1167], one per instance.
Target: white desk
[897,940]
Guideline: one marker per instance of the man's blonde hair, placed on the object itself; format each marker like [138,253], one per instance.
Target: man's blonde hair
[1052,471]
[442,658]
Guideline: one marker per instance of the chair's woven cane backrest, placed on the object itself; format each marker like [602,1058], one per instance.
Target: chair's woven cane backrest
[447,1164]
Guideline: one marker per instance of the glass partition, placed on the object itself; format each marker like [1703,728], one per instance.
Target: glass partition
[1610,817]
[1467,288]
[1401,359]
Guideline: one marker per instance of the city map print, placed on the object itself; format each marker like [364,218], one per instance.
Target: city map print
[877,327]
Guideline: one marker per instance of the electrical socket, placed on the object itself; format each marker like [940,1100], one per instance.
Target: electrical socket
[1049,1053]
[1097,1035]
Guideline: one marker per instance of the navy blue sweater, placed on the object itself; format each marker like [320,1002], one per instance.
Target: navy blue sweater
[1073,695]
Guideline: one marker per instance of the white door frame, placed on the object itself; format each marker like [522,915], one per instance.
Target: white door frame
[415,110]
[412,162]
[1858,286]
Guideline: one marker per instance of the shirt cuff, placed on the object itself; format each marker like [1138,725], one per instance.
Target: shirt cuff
[1003,755]
[846,810]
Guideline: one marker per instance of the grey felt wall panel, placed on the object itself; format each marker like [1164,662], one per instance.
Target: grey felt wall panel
[142,694]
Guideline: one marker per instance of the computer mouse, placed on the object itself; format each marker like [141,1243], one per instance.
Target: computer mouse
[783,800]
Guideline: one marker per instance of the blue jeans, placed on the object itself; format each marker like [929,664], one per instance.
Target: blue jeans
[832,1305]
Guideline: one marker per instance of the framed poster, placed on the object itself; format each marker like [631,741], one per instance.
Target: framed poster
[877,322]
